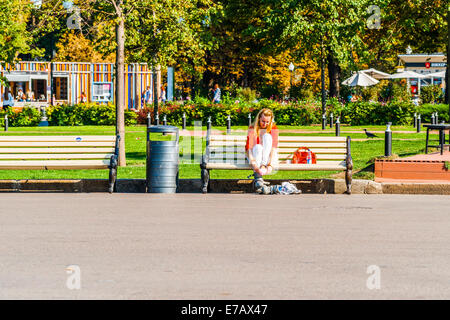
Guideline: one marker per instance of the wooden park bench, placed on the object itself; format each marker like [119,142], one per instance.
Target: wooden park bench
[60,153]
[227,152]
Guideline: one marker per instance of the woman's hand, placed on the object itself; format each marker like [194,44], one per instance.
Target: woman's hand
[254,166]
[256,169]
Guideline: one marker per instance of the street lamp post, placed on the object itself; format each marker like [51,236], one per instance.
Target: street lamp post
[322,76]
[291,69]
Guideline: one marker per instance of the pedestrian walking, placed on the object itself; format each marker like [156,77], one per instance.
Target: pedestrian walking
[216,94]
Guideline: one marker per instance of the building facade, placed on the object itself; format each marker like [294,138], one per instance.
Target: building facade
[67,82]
[424,64]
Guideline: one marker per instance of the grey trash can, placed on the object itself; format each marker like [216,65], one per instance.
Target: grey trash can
[162,159]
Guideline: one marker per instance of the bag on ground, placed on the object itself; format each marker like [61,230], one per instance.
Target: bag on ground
[285,188]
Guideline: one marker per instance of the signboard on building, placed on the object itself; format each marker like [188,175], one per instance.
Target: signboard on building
[102,91]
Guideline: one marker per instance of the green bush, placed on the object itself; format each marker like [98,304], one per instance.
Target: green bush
[396,90]
[369,93]
[27,117]
[87,114]
[270,92]
[375,113]
[301,92]
[130,117]
[431,94]
[426,110]
[297,113]
[246,94]
[65,115]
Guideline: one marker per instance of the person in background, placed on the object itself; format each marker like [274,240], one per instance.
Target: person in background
[83,97]
[30,95]
[147,96]
[162,97]
[349,97]
[8,99]
[20,95]
[216,94]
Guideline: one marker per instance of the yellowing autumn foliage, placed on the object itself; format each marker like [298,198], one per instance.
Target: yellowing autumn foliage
[73,47]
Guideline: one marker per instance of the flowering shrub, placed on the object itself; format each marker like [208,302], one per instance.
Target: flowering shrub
[27,117]
[297,113]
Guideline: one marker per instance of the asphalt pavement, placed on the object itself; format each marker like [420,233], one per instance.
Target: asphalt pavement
[224,246]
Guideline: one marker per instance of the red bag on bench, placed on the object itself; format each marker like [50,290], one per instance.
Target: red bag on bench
[304,155]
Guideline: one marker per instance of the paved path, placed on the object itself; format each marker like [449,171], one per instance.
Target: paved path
[221,246]
[431,156]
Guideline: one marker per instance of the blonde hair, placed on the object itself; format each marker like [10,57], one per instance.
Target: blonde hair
[268,113]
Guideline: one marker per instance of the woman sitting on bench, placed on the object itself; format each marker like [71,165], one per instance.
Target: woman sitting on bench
[261,146]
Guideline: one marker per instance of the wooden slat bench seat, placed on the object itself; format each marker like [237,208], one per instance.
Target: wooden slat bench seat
[227,152]
[60,153]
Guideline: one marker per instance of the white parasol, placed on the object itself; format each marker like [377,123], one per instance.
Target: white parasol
[376,74]
[360,79]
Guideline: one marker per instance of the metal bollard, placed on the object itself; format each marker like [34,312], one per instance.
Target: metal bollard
[149,120]
[44,121]
[338,127]
[184,120]
[419,123]
[6,122]
[228,124]
[331,120]
[388,140]
[436,118]
[432,118]
[249,119]
[324,121]
[208,124]
[157,118]
[165,120]
[415,119]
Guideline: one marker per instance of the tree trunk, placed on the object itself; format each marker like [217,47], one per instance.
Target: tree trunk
[322,78]
[155,76]
[207,81]
[334,72]
[447,82]
[155,90]
[193,79]
[120,89]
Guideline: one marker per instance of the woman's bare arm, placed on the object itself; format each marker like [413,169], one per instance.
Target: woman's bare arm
[272,156]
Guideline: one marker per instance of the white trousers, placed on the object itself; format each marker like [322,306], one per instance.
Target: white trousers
[261,153]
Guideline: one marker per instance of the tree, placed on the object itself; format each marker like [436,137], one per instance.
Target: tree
[14,38]
[421,24]
[74,47]
[169,32]
[138,31]
[47,23]
[330,31]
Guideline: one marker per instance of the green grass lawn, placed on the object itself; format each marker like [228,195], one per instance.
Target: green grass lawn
[404,144]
